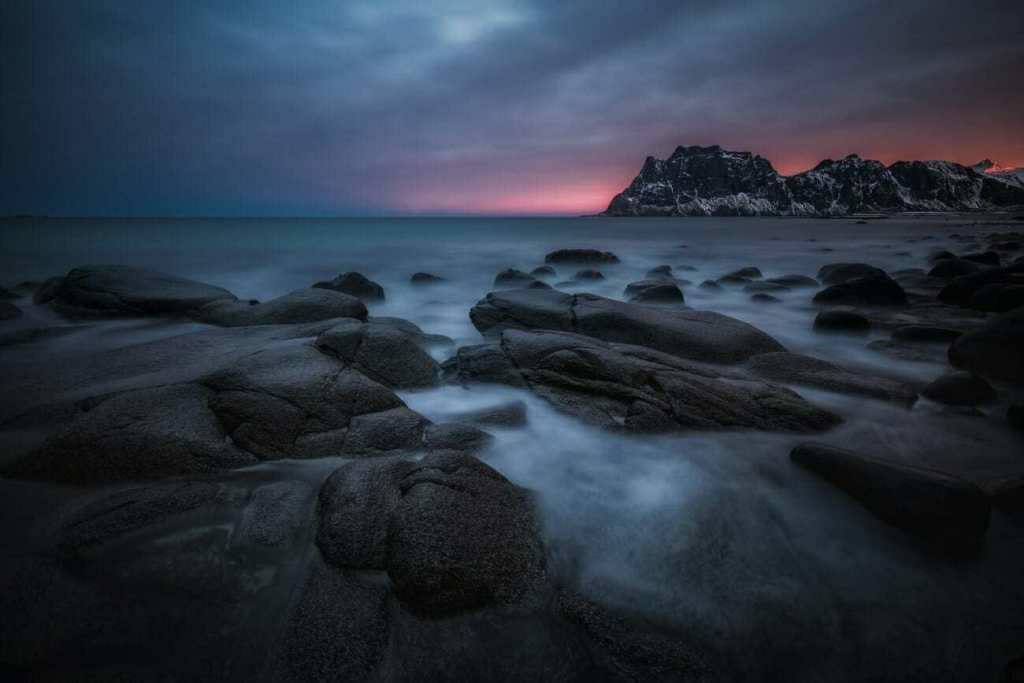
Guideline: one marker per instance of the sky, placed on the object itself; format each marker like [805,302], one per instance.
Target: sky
[248,108]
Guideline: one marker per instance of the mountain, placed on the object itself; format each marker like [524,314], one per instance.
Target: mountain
[1013,176]
[712,181]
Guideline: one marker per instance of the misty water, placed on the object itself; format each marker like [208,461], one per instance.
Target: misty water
[719,532]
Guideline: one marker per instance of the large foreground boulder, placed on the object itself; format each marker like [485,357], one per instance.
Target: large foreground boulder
[300,306]
[632,388]
[994,350]
[122,290]
[697,335]
[354,284]
[946,512]
[451,532]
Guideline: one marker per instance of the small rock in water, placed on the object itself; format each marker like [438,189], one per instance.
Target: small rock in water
[660,271]
[996,349]
[960,389]
[588,275]
[844,321]
[543,271]
[765,287]
[581,256]
[654,291]
[354,284]
[875,290]
[425,279]
[835,273]
[763,298]
[710,285]
[750,272]
[513,278]
[794,281]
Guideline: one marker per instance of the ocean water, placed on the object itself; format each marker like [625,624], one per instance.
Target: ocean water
[715,531]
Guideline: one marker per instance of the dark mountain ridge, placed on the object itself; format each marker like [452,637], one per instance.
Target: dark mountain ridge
[712,181]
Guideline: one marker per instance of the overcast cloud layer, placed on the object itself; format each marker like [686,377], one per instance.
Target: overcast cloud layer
[149,107]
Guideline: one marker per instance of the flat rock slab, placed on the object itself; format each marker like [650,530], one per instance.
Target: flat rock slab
[696,335]
[632,388]
[122,290]
[794,368]
[945,511]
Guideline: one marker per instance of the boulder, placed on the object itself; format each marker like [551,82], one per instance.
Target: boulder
[451,533]
[959,389]
[300,306]
[48,290]
[749,273]
[794,281]
[9,311]
[425,279]
[762,298]
[710,285]
[950,514]
[925,333]
[836,273]
[511,278]
[632,388]
[996,349]
[581,256]
[121,290]
[998,298]
[660,271]
[947,269]
[793,368]
[841,321]
[697,335]
[877,290]
[543,271]
[988,258]
[382,351]
[961,290]
[940,255]
[456,436]
[588,275]
[354,284]
[654,291]
[765,287]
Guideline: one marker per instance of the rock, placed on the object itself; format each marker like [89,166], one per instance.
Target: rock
[412,330]
[48,290]
[510,414]
[948,513]
[762,298]
[988,258]
[456,436]
[837,273]
[749,273]
[947,269]
[632,388]
[765,287]
[998,298]
[354,284]
[512,278]
[925,333]
[793,281]
[9,311]
[588,275]
[842,321]
[1007,494]
[996,349]
[686,267]
[1015,416]
[940,255]
[879,290]
[710,285]
[960,389]
[382,352]
[544,271]
[793,368]
[697,335]
[451,532]
[660,271]
[654,291]
[733,280]
[121,290]
[425,279]
[961,290]
[301,306]
[581,256]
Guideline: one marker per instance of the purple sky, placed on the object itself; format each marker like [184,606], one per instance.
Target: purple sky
[354,108]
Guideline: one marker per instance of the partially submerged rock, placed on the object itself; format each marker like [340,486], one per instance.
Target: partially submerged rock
[876,290]
[513,278]
[300,306]
[793,368]
[841,321]
[654,291]
[619,386]
[425,279]
[697,335]
[581,256]
[748,272]
[588,275]
[994,350]
[836,273]
[950,268]
[794,281]
[121,290]
[949,513]
[543,271]
[354,284]
[961,290]
[959,389]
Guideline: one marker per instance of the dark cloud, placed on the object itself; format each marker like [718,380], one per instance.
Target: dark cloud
[320,107]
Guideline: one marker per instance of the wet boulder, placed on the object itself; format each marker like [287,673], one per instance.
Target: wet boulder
[793,281]
[950,268]
[300,306]
[354,284]
[382,351]
[765,286]
[835,273]
[512,278]
[841,321]
[959,389]
[877,290]
[948,513]
[588,275]
[580,256]
[748,273]
[710,286]
[425,279]
[543,272]
[793,368]
[456,436]
[122,290]
[635,389]
[451,532]
[698,335]
[659,291]
[763,298]
[961,290]
[996,349]
[998,298]
[660,272]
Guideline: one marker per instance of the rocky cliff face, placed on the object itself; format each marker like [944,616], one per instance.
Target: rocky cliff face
[711,181]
